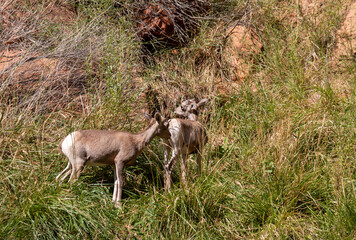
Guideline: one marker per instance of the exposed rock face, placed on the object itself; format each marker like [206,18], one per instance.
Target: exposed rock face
[170,22]
[242,45]
[15,65]
[345,51]
[28,76]
[48,82]
[154,22]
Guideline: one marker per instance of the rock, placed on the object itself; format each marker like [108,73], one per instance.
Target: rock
[50,82]
[29,77]
[154,23]
[18,66]
[170,22]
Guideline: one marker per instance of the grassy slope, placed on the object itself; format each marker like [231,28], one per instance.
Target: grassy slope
[280,163]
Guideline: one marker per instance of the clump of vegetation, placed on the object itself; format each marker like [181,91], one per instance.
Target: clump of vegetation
[280,161]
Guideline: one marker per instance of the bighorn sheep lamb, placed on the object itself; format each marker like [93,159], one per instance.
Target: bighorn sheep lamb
[106,147]
[187,136]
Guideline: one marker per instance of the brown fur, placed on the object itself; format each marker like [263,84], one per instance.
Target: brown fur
[106,147]
[187,137]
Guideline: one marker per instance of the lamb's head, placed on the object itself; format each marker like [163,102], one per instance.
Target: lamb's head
[189,108]
[162,124]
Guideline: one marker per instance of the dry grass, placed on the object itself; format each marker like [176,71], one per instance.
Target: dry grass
[280,162]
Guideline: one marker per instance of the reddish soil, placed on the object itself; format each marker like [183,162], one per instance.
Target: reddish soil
[242,45]
[346,37]
[345,51]
[56,11]
[28,73]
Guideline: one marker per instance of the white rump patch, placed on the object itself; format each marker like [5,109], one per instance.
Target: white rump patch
[68,143]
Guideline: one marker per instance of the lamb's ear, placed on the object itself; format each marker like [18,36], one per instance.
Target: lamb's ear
[158,117]
[202,102]
[147,116]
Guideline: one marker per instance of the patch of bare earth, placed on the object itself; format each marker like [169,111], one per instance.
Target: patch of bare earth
[346,37]
[243,43]
[242,46]
[38,82]
[311,7]
[29,77]
[345,50]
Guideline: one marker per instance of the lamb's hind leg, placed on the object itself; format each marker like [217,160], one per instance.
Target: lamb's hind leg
[119,180]
[66,171]
[77,168]
[66,175]
[183,167]
[199,153]
[198,163]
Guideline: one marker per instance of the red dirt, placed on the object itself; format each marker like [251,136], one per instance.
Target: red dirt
[29,74]
[243,43]
[346,37]
[50,82]
[56,11]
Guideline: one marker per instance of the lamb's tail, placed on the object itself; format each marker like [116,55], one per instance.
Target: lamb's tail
[60,147]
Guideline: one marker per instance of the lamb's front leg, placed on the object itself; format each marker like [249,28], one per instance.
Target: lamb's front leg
[119,180]
[167,174]
[169,168]
[167,148]
[183,168]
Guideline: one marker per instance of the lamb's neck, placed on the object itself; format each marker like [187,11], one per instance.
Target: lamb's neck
[146,136]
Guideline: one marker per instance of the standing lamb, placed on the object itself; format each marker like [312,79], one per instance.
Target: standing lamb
[106,147]
[187,136]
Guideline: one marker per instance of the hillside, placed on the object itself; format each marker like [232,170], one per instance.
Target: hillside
[280,77]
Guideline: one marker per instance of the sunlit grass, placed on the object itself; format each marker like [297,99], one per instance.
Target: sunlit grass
[279,164]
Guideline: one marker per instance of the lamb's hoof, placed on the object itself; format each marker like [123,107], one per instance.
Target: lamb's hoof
[117,204]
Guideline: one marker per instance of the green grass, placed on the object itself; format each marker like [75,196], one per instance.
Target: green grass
[279,164]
